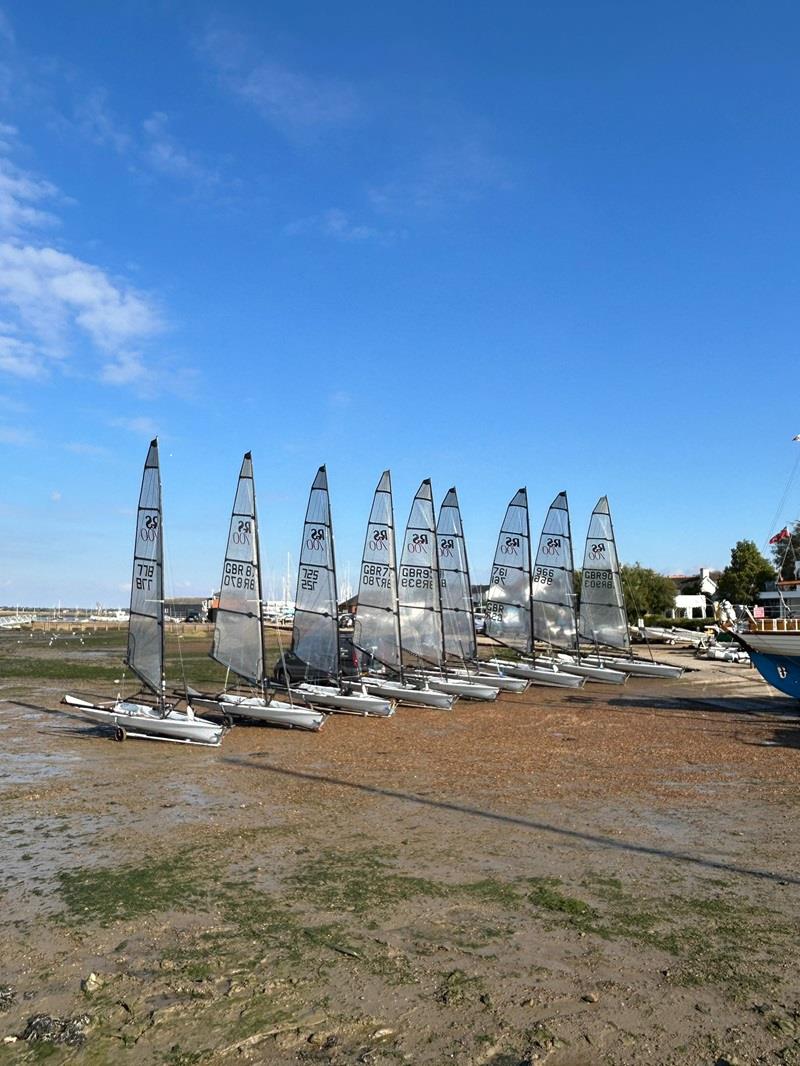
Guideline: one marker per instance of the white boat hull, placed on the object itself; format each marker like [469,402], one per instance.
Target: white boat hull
[461,687]
[603,674]
[141,720]
[345,702]
[540,675]
[635,667]
[274,712]
[498,681]
[408,694]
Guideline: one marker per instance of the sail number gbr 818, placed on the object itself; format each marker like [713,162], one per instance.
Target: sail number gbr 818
[239,576]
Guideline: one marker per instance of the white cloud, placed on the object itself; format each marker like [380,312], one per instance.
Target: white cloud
[59,300]
[55,496]
[291,101]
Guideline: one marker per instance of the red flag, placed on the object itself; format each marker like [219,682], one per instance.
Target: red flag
[783,535]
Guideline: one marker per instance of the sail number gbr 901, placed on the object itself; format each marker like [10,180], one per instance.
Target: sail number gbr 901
[239,576]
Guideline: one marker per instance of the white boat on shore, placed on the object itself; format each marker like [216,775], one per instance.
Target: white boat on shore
[151,716]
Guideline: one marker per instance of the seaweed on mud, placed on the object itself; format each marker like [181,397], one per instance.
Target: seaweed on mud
[51,1030]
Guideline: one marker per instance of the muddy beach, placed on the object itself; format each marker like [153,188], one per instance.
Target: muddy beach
[602,876]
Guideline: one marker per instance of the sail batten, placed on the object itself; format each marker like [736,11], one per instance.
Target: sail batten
[315,634]
[603,619]
[145,654]
[377,629]
[508,600]
[238,629]
[458,621]
[418,584]
[552,586]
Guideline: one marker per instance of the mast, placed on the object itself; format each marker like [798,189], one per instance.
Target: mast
[419,582]
[508,617]
[552,591]
[603,619]
[146,636]
[378,609]
[316,605]
[259,584]
[458,613]
[238,627]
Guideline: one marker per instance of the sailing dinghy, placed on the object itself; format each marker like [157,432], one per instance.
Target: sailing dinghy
[458,614]
[377,623]
[553,612]
[315,634]
[508,605]
[148,715]
[239,622]
[603,618]
[421,625]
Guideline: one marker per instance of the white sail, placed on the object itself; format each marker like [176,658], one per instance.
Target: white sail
[377,626]
[508,601]
[315,636]
[552,589]
[602,615]
[418,584]
[458,621]
[238,635]
[146,626]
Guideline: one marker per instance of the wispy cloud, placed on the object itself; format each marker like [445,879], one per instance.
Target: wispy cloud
[163,153]
[142,426]
[78,447]
[446,175]
[338,225]
[95,121]
[22,193]
[292,101]
[15,436]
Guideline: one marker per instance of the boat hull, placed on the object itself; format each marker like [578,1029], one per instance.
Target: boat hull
[604,674]
[362,703]
[498,681]
[467,689]
[274,712]
[413,697]
[776,656]
[141,720]
[541,675]
[635,667]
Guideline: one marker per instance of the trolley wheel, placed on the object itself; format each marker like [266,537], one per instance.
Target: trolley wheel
[119,734]
[227,721]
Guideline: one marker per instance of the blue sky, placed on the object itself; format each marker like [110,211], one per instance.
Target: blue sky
[551,245]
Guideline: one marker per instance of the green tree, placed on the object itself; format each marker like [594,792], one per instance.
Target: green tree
[746,575]
[646,591]
[786,553]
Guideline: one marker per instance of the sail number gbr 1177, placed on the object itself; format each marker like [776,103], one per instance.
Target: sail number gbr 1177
[239,576]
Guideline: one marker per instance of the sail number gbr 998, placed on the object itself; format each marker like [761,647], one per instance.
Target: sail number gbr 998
[239,576]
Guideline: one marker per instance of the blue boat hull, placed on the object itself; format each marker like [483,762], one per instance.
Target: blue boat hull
[779,671]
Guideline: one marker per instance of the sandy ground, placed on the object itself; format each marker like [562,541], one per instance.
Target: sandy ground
[601,876]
